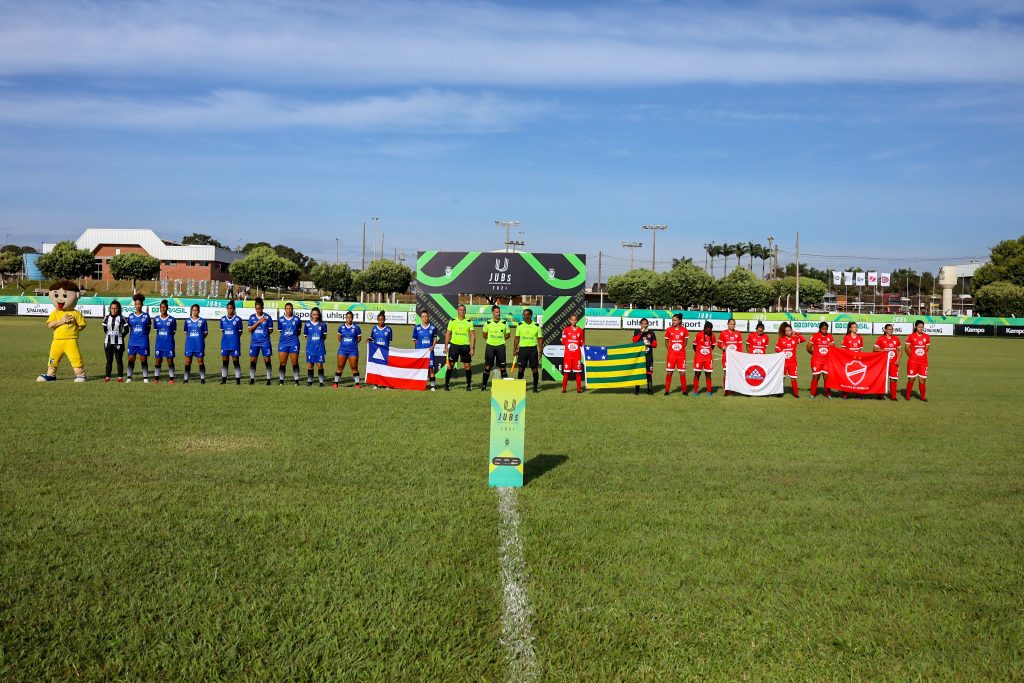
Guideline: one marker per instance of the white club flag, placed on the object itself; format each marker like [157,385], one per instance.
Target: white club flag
[754,374]
[837,277]
[873,278]
[886,279]
[847,277]
[860,279]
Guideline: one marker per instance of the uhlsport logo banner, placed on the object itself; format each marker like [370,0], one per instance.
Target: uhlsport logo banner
[856,372]
[508,430]
[754,374]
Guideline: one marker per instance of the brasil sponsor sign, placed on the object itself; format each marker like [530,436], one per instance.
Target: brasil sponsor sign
[508,431]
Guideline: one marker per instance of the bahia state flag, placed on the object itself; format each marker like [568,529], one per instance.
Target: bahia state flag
[609,367]
[398,368]
[754,374]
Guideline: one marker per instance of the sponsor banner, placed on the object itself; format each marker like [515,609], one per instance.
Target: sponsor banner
[839,326]
[35,309]
[899,329]
[439,351]
[508,433]
[8,308]
[974,330]
[856,372]
[804,327]
[939,330]
[601,322]
[390,317]
[631,323]
[847,277]
[554,351]
[885,279]
[1015,331]
[837,277]
[861,279]
[872,278]
[754,374]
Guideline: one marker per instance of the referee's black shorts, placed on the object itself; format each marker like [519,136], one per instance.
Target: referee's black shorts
[459,352]
[528,357]
[494,356]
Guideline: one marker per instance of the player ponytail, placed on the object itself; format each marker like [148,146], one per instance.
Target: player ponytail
[759,326]
[849,327]
[708,326]
[782,329]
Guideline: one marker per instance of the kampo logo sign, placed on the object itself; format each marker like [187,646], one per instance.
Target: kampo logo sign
[755,375]
[856,371]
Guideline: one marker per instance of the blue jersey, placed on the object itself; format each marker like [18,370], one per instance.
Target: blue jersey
[316,336]
[425,337]
[195,335]
[165,328]
[349,339]
[230,333]
[261,335]
[290,329]
[139,328]
[381,336]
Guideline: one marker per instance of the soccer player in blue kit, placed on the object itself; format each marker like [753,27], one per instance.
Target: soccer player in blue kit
[380,335]
[289,327]
[230,343]
[139,323]
[349,336]
[425,336]
[260,327]
[316,346]
[196,330]
[165,326]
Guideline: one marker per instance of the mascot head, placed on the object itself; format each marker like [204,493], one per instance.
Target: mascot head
[63,295]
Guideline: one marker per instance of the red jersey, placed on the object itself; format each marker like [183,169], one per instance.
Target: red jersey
[757,343]
[890,344]
[919,346]
[704,343]
[675,340]
[572,340]
[852,343]
[787,345]
[820,344]
[730,339]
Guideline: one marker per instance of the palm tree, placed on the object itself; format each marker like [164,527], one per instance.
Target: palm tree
[726,252]
[707,255]
[740,249]
[764,255]
[751,249]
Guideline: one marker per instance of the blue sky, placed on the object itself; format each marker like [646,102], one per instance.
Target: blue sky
[886,133]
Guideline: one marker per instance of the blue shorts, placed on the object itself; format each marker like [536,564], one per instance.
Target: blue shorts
[255,350]
[164,353]
[314,359]
[349,353]
[233,353]
[190,353]
[139,350]
[288,348]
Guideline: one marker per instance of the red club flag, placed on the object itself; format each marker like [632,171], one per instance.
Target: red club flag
[856,372]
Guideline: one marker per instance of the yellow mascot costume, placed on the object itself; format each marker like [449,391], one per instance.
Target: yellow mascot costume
[66,324]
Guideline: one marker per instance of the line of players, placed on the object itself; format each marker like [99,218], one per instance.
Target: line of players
[459,344]
[788,341]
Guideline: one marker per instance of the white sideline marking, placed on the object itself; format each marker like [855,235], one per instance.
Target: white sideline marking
[515,622]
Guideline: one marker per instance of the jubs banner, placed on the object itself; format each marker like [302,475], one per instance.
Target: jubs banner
[754,374]
[856,372]
[500,272]
[508,430]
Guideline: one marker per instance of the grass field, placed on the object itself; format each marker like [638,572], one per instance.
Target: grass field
[253,533]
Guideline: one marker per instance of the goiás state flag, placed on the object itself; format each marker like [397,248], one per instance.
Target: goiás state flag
[857,372]
[611,367]
[398,368]
[754,374]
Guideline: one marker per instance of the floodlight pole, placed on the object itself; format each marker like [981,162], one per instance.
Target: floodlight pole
[654,228]
[507,225]
[632,246]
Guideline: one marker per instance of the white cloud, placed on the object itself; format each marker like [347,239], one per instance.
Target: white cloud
[455,44]
[422,110]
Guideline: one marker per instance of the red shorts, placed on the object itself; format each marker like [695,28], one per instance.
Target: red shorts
[675,361]
[572,363]
[791,367]
[703,363]
[819,364]
[917,369]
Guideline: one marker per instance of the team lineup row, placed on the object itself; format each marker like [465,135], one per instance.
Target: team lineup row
[132,332]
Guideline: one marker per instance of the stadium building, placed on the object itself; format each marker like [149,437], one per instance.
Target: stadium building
[177,261]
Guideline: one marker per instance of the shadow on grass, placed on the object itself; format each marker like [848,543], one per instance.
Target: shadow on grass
[539,465]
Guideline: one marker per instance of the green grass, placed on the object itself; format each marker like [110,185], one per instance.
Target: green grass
[207,532]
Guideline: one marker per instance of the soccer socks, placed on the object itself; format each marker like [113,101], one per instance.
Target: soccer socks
[708,383]
[309,375]
[223,370]
[252,371]
[131,368]
[921,390]
[448,377]
[145,369]
[355,376]
[238,369]
[487,376]
[280,373]
[696,383]
[320,374]
[579,382]
[565,381]
[504,373]
[796,389]
[266,366]
[188,372]
[295,372]
[469,378]
[170,369]
[910,386]
[536,379]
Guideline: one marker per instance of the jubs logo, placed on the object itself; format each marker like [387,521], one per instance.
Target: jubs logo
[755,375]
[499,266]
[509,413]
[500,278]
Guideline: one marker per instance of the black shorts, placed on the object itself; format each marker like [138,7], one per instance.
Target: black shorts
[495,356]
[650,362]
[457,352]
[528,357]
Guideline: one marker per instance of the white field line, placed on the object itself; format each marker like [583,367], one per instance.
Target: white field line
[515,621]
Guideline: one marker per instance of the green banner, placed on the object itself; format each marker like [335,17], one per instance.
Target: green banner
[508,431]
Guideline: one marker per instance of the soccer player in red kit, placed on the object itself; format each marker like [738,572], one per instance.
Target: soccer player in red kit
[675,343]
[853,342]
[572,362]
[890,343]
[650,340]
[729,339]
[917,358]
[787,344]
[757,341]
[703,344]
[818,347]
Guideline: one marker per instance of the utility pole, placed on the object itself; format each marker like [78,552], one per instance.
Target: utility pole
[508,225]
[654,228]
[337,250]
[362,265]
[375,220]
[600,285]
[771,257]
[632,246]
[797,271]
